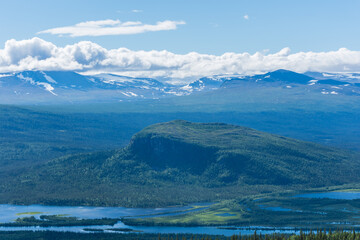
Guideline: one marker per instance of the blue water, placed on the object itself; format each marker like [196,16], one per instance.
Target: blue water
[279,209]
[9,213]
[332,195]
[226,215]
[162,229]
[276,209]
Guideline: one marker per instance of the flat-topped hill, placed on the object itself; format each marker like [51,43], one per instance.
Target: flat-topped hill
[179,161]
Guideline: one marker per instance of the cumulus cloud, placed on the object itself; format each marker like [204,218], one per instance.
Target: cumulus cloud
[18,50]
[111,27]
[85,56]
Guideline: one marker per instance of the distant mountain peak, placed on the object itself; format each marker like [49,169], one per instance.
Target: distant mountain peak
[68,86]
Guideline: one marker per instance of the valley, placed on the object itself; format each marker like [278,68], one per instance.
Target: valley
[133,154]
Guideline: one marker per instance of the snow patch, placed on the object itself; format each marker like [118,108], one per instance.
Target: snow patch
[333,92]
[187,88]
[48,78]
[129,94]
[108,78]
[6,75]
[350,75]
[177,93]
[47,86]
[312,82]
[328,75]
[27,79]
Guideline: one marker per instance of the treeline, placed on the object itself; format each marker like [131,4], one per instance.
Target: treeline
[58,221]
[51,235]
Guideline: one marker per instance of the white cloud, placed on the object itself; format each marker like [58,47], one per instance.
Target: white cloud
[111,27]
[18,50]
[246,17]
[85,56]
[137,11]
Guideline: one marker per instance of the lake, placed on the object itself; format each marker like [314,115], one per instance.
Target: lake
[332,195]
[9,213]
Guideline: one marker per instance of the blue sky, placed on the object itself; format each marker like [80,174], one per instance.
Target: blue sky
[180,39]
[212,27]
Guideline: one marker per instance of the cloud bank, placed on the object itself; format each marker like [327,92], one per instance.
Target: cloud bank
[111,27]
[85,56]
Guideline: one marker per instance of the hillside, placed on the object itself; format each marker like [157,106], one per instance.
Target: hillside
[179,162]
[228,153]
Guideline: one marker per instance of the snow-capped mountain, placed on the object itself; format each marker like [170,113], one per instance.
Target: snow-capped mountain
[314,82]
[117,81]
[71,86]
[204,84]
[323,83]
[131,87]
[54,86]
[211,83]
[51,81]
[348,77]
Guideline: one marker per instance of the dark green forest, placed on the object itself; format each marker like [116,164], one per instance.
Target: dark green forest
[57,221]
[49,235]
[158,168]
[30,136]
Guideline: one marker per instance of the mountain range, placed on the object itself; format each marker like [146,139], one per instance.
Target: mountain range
[29,87]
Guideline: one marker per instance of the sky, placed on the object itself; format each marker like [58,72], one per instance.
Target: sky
[179,39]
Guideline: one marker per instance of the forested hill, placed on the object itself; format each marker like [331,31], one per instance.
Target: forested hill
[232,154]
[178,162]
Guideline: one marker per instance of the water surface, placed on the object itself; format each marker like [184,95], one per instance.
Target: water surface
[332,195]
[9,213]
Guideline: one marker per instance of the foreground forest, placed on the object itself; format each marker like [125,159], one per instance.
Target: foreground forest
[49,235]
